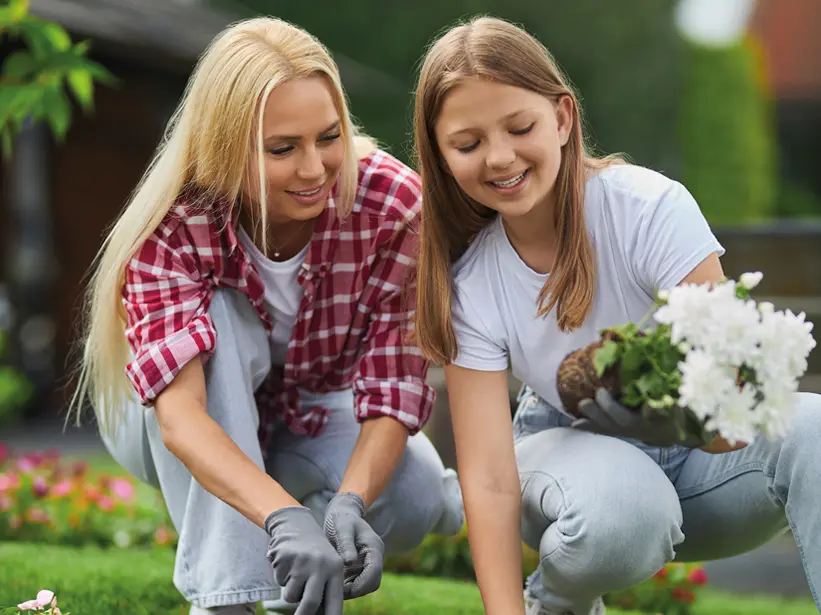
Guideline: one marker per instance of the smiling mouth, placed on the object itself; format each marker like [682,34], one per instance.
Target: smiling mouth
[311,192]
[509,183]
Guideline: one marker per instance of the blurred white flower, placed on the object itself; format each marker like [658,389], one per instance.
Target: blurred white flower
[704,383]
[750,280]
[122,539]
[736,420]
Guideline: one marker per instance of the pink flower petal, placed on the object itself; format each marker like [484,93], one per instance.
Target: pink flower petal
[44,597]
[29,605]
[61,489]
[122,488]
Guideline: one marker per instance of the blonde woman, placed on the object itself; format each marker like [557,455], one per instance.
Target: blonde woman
[530,246]
[247,343]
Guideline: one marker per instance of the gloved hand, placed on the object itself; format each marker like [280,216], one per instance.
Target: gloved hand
[306,566]
[359,546]
[607,416]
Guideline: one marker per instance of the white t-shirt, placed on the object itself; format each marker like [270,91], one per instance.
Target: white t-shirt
[283,292]
[647,233]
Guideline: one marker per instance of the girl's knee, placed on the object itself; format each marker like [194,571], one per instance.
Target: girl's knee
[599,539]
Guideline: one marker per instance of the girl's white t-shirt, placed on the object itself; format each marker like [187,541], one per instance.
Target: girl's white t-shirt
[283,293]
[647,233]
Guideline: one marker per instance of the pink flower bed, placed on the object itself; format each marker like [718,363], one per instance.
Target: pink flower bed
[44,498]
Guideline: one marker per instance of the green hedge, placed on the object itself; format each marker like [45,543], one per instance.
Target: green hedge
[728,135]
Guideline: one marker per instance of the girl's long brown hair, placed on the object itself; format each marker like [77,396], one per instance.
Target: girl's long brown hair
[494,49]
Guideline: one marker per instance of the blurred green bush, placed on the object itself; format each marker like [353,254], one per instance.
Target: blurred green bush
[15,390]
[728,135]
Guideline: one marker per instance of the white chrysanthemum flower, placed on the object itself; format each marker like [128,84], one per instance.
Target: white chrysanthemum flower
[785,344]
[688,312]
[750,280]
[736,418]
[704,383]
[733,338]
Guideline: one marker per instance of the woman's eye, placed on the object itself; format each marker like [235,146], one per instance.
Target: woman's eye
[280,151]
[523,131]
[468,148]
[332,137]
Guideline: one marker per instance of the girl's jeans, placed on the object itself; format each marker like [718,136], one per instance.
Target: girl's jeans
[221,555]
[607,513]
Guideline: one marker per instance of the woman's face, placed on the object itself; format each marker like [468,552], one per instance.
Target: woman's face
[503,144]
[303,150]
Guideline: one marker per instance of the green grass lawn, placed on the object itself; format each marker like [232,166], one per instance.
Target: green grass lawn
[138,582]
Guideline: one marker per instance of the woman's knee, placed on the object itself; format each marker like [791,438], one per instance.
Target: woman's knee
[129,446]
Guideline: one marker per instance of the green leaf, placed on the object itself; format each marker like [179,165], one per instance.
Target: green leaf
[58,112]
[81,85]
[36,38]
[632,361]
[13,12]
[19,66]
[56,35]
[605,356]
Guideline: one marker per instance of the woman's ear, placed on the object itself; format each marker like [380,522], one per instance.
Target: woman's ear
[565,114]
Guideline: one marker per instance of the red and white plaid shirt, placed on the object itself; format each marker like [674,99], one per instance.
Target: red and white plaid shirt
[353,321]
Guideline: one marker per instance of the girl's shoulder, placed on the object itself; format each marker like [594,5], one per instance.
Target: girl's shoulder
[625,195]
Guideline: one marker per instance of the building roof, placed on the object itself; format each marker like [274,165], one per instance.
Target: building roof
[169,35]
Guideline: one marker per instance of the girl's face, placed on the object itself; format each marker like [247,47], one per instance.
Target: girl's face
[503,144]
[303,150]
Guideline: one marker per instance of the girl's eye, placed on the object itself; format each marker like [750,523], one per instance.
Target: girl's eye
[523,131]
[332,137]
[468,148]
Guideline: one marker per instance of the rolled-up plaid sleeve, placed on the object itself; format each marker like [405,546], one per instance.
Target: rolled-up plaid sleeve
[166,301]
[391,378]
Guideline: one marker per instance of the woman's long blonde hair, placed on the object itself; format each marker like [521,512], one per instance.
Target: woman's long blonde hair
[207,144]
[499,51]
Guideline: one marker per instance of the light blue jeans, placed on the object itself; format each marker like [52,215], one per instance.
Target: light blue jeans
[221,555]
[607,513]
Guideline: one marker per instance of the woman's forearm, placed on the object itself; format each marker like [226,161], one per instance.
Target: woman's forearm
[212,457]
[222,469]
[378,451]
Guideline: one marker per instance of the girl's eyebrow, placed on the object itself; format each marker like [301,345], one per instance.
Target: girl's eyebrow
[470,129]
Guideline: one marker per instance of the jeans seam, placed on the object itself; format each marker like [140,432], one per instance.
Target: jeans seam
[800,546]
[753,466]
[529,475]
[228,598]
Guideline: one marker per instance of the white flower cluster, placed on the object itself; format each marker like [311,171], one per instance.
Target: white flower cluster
[721,334]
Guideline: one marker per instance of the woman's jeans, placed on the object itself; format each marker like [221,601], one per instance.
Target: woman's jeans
[221,555]
[607,513]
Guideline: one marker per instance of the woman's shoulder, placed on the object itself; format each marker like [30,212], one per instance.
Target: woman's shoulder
[388,187]
[194,225]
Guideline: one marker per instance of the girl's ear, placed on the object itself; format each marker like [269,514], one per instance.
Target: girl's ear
[564,117]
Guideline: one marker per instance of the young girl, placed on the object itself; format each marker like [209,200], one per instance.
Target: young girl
[256,292]
[530,246]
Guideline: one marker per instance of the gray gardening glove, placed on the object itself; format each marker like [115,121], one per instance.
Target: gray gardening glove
[359,546]
[607,416]
[306,566]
